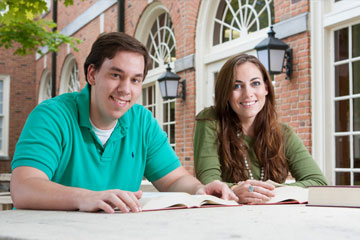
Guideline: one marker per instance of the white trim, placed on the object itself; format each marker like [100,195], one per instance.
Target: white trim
[4,151]
[45,61]
[318,85]
[43,84]
[343,11]
[83,19]
[230,48]
[204,31]
[147,19]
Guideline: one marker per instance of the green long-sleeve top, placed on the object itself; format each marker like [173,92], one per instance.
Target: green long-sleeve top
[206,159]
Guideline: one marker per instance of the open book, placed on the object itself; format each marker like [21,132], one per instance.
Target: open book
[172,200]
[334,196]
[288,194]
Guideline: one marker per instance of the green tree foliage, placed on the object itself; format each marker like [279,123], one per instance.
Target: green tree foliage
[21,22]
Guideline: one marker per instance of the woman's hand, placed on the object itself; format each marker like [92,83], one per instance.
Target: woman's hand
[253,191]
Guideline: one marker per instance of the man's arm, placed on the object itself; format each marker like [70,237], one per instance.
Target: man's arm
[32,189]
[179,180]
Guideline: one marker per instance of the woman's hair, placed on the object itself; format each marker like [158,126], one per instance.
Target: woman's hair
[268,142]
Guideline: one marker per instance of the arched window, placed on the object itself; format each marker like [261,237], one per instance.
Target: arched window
[155,30]
[69,76]
[161,41]
[45,86]
[236,26]
[238,18]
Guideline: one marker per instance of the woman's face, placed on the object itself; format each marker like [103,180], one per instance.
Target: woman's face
[249,92]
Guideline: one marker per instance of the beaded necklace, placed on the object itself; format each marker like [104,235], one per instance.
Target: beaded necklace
[262,174]
[250,172]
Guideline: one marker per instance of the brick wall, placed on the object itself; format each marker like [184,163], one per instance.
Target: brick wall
[184,17]
[22,95]
[294,97]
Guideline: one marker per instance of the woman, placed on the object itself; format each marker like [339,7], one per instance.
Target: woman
[240,141]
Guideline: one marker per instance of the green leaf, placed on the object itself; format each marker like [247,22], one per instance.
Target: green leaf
[21,26]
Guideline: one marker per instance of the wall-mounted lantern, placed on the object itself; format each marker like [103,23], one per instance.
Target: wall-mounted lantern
[272,53]
[169,82]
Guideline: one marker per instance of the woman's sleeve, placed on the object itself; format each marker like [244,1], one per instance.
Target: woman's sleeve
[301,164]
[206,160]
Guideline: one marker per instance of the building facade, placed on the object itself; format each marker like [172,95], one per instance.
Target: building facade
[321,100]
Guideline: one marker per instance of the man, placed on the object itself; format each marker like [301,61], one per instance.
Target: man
[88,151]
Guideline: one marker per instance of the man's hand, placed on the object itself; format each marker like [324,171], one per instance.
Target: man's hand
[109,200]
[32,189]
[218,189]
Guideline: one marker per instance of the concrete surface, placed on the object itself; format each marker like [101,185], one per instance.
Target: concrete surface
[243,222]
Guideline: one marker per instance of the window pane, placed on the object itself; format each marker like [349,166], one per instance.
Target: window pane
[356,178]
[356,77]
[161,41]
[165,128]
[342,80]
[172,111]
[74,83]
[165,113]
[238,18]
[342,152]
[355,40]
[342,178]
[356,151]
[356,117]
[150,96]
[342,116]
[144,96]
[172,133]
[341,44]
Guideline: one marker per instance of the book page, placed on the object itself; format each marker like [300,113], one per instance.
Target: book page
[290,193]
[199,200]
[157,200]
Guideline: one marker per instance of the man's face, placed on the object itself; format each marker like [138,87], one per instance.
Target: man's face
[115,87]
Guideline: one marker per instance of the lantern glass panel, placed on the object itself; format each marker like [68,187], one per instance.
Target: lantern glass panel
[263,56]
[276,60]
[162,88]
[172,86]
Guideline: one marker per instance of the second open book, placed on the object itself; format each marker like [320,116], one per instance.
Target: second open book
[175,200]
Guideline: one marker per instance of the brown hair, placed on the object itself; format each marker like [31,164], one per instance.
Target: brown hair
[107,45]
[232,151]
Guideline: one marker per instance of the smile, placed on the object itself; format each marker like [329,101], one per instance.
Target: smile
[120,101]
[248,103]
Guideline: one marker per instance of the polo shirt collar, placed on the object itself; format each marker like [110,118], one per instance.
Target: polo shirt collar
[83,100]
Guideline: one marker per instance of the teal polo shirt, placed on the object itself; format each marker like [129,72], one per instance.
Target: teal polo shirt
[57,139]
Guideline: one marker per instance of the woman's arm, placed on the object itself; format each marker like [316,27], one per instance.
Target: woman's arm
[301,164]
[206,160]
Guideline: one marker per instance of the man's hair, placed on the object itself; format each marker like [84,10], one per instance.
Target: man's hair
[107,45]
